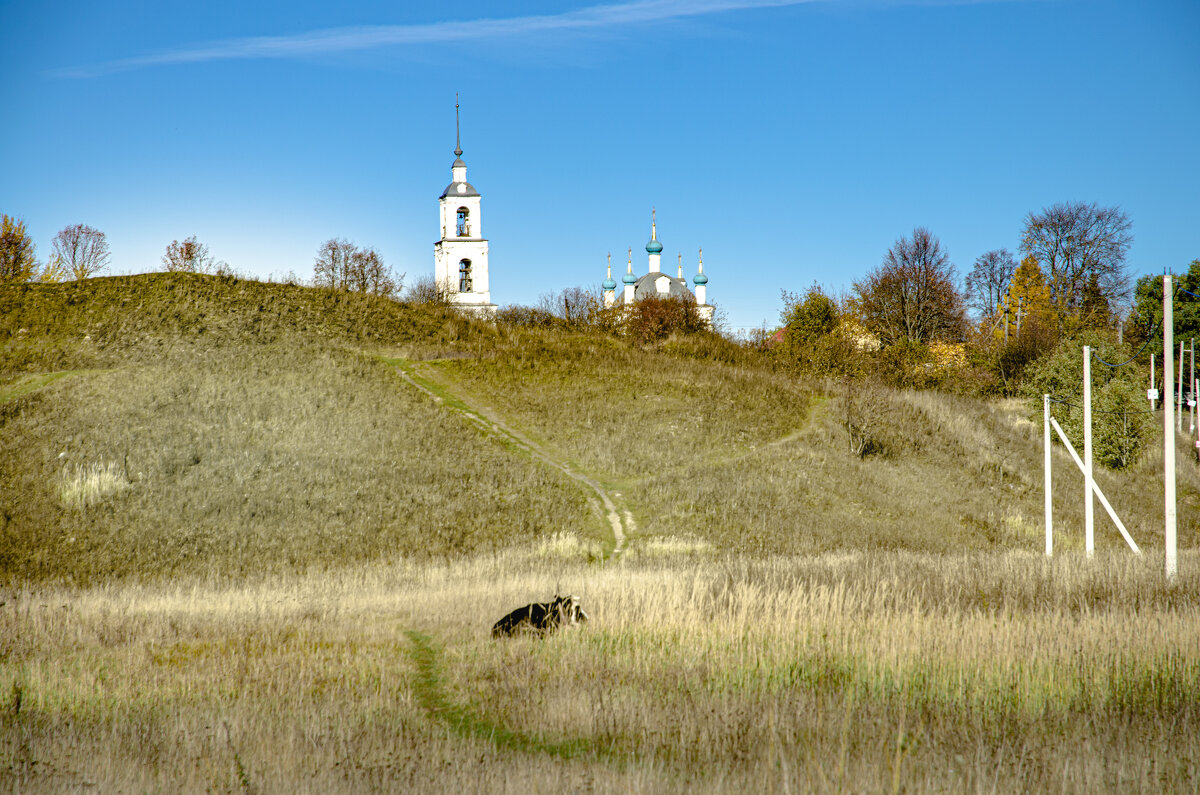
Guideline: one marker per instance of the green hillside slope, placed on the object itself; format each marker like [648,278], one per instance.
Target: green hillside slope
[166,423]
[752,461]
[229,427]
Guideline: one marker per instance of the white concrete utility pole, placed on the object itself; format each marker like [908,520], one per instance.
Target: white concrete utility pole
[1089,507]
[1179,387]
[1049,497]
[1169,433]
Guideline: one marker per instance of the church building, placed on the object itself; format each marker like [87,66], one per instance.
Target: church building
[656,283]
[461,256]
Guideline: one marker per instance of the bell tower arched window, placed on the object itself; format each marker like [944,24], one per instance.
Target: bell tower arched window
[464,276]
[463,225]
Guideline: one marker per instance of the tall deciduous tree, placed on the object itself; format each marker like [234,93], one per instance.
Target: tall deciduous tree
[912,296]
[988,280]
[1076,241]
[18,260]
[81,251]
[341,265]
[189,256]
[368,274]
[332,265]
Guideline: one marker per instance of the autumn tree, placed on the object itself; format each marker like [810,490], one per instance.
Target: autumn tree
[53,272]
[80,251]
[1031,329]
[912,297]
[18,260]
[653,319]
[988,280]
[189,256]
[1080,244]
[1028,298]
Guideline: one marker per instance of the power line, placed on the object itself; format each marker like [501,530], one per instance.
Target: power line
[1149,336]
[1080,407]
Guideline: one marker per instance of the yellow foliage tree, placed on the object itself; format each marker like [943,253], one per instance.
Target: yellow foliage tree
[1028,298]
[18,262]
[54,272]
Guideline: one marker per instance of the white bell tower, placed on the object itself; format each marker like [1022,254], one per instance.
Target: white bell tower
[461,257]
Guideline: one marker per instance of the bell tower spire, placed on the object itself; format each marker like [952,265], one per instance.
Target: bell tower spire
[457,138]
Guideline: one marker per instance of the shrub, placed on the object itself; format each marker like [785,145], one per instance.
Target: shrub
[653,319]
[1121,420]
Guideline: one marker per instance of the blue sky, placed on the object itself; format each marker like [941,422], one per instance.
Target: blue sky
[794,141]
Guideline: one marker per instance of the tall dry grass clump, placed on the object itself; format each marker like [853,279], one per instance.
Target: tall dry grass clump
[84,485]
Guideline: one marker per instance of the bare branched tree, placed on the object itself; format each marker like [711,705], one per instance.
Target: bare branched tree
[81,251]
[427,290]
[368,274]
[188,257]
[911,296]
[1074,241]
[988,280]
[342,265]
[332,266]
[574,305]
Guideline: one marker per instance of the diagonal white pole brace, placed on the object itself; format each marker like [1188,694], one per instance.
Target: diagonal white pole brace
[1095,487]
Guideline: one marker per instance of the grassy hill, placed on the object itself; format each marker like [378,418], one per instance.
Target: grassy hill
[199,424]
[173,423]
[253,538]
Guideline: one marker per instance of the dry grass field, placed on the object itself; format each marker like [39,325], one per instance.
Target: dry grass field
[858,672]
[240,552]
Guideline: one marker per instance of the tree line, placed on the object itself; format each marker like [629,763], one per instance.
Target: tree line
[1013,328]
[910,313]
[80,252]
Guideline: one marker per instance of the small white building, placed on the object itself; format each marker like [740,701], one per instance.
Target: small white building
[461,257]
[656,283]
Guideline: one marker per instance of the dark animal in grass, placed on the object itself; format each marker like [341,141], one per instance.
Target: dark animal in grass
[541,617]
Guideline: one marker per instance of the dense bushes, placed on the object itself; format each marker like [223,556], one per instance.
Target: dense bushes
[1121,419]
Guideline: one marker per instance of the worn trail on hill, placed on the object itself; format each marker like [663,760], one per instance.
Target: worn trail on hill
[619,519]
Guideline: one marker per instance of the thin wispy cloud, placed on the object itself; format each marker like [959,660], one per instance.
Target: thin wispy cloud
[334,40]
